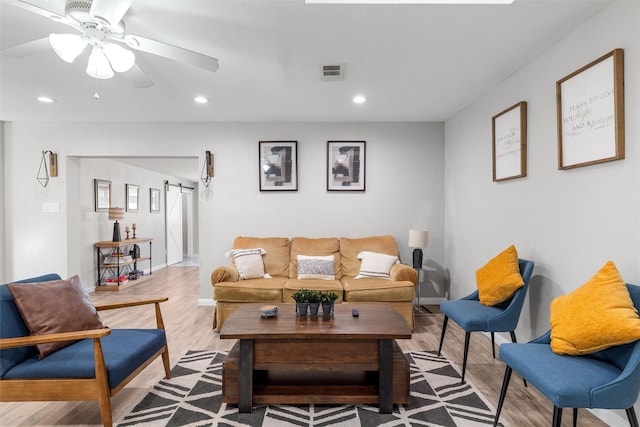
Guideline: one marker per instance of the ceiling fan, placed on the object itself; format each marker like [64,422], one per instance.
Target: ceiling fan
[100,26]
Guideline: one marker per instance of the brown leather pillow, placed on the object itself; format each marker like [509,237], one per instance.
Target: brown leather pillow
[53,307]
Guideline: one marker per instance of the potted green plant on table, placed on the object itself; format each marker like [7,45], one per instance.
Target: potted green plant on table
[328,300]
[314,302]
[301,297]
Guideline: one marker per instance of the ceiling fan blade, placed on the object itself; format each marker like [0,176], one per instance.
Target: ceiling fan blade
[110,11]
[179,54]
[29,48]
[138,78]
[42,12]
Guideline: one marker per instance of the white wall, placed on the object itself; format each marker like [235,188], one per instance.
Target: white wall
[2,185]
[569,222]
[404,180]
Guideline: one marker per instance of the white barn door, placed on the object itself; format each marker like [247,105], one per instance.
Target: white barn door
[173,212]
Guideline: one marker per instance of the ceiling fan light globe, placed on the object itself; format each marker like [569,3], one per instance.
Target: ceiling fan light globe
[98,66]
[67,46]
[121,59]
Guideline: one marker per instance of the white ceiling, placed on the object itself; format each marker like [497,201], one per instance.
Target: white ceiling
[413,62]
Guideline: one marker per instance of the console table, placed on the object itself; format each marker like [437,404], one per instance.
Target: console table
[290,359]
[105,258]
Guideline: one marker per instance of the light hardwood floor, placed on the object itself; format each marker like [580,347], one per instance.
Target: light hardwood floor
[189,328]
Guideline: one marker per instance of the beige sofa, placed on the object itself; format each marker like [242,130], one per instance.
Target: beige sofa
[281,264]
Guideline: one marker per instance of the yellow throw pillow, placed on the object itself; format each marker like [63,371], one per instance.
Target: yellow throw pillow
[500,278]
[597,315]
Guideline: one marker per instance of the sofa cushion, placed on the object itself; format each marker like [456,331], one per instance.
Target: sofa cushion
[248,262]
[316,246]
[53,307]
[293,285]
[254,290]
[276,260]
[375,266]
[377,290]
[124,351]
[316,267]
[499,278]
[350,248]
[12,325]
[597,315]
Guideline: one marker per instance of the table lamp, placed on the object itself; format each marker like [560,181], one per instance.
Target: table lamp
[116,214]
[418,239]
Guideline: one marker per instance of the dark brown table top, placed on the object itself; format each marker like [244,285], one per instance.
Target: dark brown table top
[376,321]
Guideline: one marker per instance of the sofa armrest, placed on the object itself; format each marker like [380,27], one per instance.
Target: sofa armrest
[401,272]
[226,273]
[47,338]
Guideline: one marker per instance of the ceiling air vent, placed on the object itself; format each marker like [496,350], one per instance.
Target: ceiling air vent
[333,72]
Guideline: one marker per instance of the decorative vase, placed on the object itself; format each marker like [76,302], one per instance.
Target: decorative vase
[313,308]
[327,309]
[301,308]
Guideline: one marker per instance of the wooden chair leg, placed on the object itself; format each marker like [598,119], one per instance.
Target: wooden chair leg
[165,362]
[467,337]
[493,345]
[575,417]
[633,420]
[444,328]
[557,416]
[215,318]
[503,393]
[104,393]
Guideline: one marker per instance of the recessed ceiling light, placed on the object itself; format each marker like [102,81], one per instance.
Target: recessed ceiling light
[359,99]
[46,99]
[201,99]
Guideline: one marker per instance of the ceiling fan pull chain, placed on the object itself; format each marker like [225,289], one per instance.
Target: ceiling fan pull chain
[96,95]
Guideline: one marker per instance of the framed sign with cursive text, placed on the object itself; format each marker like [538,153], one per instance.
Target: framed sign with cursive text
[590,104]
[509,130]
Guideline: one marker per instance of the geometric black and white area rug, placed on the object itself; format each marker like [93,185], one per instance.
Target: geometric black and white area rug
[192,397]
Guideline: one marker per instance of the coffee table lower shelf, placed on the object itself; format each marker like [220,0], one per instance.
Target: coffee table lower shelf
[326,383]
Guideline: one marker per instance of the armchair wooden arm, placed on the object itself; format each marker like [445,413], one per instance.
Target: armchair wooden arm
[134,303]
[62,336]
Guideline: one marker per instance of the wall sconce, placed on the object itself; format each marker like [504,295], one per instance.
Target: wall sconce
[207,169]
[52,171]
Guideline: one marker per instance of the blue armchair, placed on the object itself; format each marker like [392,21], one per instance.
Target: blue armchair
[95,367]
[475,317]
[608,379]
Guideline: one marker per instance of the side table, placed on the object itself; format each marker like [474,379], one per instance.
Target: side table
[420,270]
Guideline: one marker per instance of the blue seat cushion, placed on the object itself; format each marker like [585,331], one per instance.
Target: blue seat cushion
[124,351]
[567,381]
[470,314]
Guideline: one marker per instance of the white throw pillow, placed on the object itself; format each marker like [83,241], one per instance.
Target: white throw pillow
[316,267]
[249,263]
[375,265]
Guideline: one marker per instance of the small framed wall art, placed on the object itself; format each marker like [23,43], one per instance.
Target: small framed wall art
[509,129]
[590,107]
[154,200]
[278,165]
[102,195]
[133,197]
[346,165]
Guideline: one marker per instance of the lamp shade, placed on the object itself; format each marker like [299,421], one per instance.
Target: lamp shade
[418,238]
[98,66]
[67,46]
[116,214]
[121,59]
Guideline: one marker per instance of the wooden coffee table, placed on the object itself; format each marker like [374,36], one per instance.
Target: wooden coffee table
[292,359]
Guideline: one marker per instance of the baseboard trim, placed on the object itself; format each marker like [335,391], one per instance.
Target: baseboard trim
[206,302]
